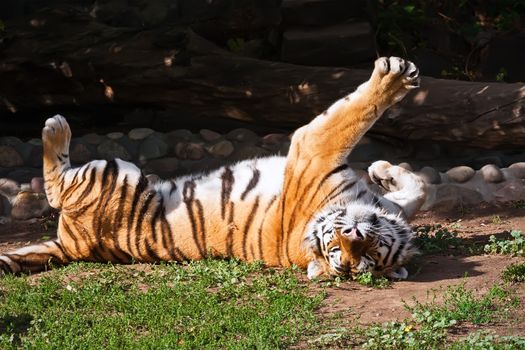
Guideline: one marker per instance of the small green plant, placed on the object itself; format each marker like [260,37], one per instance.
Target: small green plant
[482,341]
[519,204]
[514,273]
[369,280]
[496,220]
[436,238]
[514,246]
[461,304]
[502,75]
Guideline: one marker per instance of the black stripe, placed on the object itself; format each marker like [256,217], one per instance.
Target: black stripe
[253,182]
[138,226]
[89,185]
[227,186]
[156,216]
[389,251]
[259,233]
[396,255]
[139,189]
[200,215]
[5,266]
[247,226]
[188,195]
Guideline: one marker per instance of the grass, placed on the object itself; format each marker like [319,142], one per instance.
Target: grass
[514,246]
[436,238]
[429,326]
[514,273]
[369,280]
[205,305]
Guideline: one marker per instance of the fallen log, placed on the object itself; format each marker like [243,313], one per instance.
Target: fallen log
[65,59]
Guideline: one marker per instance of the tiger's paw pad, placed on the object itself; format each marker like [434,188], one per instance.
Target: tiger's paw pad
[56,133]
[380,173]
[395,68]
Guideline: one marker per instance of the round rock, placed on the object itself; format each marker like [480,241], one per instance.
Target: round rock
[37,185]
[152,147]
[110,149]
[115,135]
[140,133]
[405,166]
[9,157]
[461,173]
[192,150]
[518,170]
[221,149]
[35,142]
[80,153]
[430,175]
[242,135]
[491,173]
[209,135]
[93,139]
[35,157]
[274,139]
[9,141]
[9,188]
[179,135]
[164,167]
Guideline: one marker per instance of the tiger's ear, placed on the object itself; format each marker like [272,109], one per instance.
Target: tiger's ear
[315,269]
[401,273]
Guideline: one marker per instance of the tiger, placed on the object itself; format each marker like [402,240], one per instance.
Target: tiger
[307,209]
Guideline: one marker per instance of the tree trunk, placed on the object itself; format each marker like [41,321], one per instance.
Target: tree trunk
[62,61]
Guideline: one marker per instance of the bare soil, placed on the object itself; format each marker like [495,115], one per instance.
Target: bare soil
[428,273]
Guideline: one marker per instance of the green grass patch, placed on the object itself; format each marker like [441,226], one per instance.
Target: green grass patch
[514,246]
[436,238]
[431,322]
[369,280]
[514,273]
[202,305]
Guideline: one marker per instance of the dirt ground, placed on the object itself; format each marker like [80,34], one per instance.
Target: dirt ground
[427,273]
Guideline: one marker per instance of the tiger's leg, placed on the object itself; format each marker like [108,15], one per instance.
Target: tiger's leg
[34,258]
[316,161]
[403,187]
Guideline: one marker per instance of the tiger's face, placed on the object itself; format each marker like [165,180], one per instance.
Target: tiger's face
[357,238]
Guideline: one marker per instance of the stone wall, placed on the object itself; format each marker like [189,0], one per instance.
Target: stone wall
[495,177]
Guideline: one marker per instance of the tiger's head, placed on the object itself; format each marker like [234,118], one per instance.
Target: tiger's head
[356,238]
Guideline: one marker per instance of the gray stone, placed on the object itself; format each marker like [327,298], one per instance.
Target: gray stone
[79,153]
[10,141]
[179,135]
[24,174]
[491,173]
[189,150]
[249,152]
[274,139]
[405,166]
[461,173]
[164,167]
[115,135]
[427,151]
[151,148]
[35,142]
[518,170]
[9,188]
[5,208]
[35,157]
[9,157]
[449,196]
[242,135]
[322,46]
[37,185]
[93,139]
[140,133]
[195,166]
[209,135]
[110,149]
[429,175]
[222,149]
[24,149]
[510,190]
[28,205]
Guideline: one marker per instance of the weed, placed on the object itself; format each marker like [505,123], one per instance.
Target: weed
[482,341]
[514,273]
[519,204]
[436,238]
[369,280]
[496,220]
[514,246]
[429,325]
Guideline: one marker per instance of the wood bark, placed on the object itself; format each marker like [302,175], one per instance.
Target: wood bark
[63,60]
